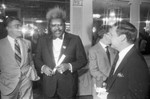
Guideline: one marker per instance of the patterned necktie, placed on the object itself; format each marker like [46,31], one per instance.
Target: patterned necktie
[17,52]
[108,54]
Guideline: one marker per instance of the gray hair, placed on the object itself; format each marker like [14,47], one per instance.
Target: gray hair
[56,12]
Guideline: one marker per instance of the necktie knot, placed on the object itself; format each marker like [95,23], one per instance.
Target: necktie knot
[17,40]
[106,48]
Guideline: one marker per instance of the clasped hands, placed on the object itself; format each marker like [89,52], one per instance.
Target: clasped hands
[61,69]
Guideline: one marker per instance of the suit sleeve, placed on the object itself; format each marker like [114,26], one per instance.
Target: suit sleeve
[138,81]
[80,56]
[30,54]
[93,66]
[38,55]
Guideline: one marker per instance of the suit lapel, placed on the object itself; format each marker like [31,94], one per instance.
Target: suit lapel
[120,67]
[49,42]
[65,44]
[114,76]
[23,48]
[102,51]
[8,47]
[113,54]
[124,61]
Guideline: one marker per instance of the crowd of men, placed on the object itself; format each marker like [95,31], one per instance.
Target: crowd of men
[118,69]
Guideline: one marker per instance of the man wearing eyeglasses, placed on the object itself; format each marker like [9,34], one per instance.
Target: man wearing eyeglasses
[15,63]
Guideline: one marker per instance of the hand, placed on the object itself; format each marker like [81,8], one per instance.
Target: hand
[63,67]
[103,95]
[100,90]
[47,70]
[99,81]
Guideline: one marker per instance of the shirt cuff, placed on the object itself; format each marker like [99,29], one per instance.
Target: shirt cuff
[42,69]
[70,67]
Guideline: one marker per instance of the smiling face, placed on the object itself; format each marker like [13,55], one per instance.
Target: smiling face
[57,27]
[14,28]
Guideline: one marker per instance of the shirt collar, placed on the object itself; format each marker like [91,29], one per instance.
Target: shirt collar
[125,51]
[59,38]
[103,45]
[10,39]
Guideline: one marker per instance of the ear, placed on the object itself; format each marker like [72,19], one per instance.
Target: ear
[7,28]
[122,37]
[108,36]
[105,36]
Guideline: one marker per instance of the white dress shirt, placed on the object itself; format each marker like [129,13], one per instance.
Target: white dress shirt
[122,55]
[57,44]
[103,45]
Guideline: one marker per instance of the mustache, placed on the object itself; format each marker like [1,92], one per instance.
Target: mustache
[58,30]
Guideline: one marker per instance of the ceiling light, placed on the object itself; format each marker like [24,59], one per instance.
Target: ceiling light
[96,16]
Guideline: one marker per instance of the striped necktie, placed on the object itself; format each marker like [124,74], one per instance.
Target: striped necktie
[17,52]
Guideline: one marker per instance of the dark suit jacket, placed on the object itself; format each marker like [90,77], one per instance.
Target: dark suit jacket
[67,82]
[131,78]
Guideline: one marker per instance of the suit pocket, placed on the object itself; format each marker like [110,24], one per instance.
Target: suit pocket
[7,85]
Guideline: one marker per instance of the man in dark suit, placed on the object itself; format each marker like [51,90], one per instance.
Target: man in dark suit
[101,57]
[130,77]
[59,56]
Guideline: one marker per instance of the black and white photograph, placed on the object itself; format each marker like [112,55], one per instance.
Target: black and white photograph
[74,49]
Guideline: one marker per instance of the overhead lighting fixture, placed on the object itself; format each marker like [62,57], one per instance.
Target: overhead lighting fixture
[1,20]
[39,21]
[147,27]
[3,6]
[112,15]
[96,16]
